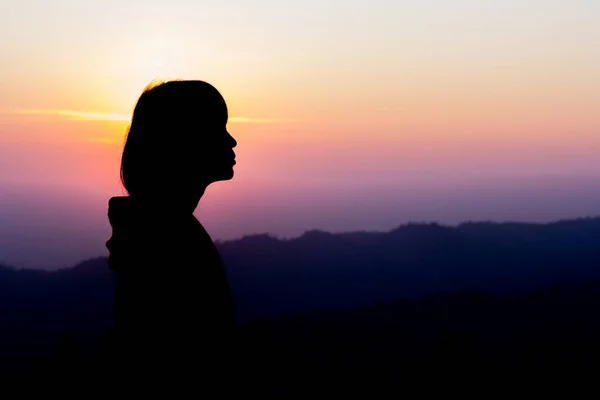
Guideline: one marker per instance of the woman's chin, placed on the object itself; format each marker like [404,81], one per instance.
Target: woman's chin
[226,175]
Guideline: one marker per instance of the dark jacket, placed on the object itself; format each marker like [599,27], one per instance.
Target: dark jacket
[173,305]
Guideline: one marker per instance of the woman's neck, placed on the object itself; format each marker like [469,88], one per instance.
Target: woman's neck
[167,204]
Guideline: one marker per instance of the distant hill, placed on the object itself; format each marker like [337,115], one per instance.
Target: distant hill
[320,271]
[37,307]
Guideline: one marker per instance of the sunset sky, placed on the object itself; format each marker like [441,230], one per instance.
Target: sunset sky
[349,114]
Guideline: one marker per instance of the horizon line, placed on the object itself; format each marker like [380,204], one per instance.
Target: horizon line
[284,238]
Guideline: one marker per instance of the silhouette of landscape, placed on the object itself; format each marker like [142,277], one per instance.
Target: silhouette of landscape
[480,301]
[406,197]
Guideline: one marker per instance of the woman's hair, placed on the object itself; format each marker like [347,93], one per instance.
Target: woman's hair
[167,122]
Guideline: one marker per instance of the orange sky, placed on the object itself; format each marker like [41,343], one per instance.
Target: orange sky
[324,95]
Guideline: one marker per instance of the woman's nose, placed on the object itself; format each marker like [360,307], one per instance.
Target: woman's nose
[232,140]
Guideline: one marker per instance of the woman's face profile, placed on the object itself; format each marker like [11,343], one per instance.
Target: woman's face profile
[178,139]
[215,155]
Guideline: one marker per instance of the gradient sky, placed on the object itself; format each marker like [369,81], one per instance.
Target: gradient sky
[349,114]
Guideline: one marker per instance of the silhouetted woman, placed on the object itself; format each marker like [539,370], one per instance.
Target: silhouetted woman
[173,306]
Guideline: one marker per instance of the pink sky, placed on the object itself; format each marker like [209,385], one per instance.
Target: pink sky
[337,106]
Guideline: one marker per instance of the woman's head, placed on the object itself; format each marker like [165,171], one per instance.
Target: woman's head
[178,141]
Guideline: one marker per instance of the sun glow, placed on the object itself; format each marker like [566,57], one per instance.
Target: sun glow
[78,115]
[116,117]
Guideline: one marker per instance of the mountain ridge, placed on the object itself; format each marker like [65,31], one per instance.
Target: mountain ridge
[362,297]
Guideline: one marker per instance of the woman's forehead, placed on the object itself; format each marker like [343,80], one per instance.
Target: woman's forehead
[214,114]
[212,102]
